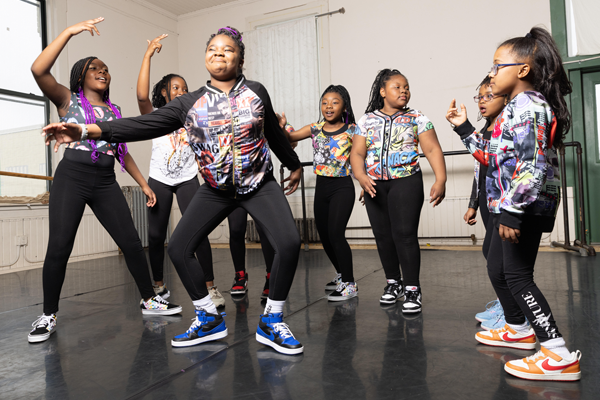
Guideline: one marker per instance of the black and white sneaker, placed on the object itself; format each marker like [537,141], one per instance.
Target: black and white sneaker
[391,293]
[412,302]
[159,306]
[333,284]
[43,327]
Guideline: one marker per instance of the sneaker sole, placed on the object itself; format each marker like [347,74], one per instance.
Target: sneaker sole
[238,292]
[171,311]
[209,338]
[543,377]
[411,310]
[391,301]
[40,338]
[496,343]
[342,298]
[282,350]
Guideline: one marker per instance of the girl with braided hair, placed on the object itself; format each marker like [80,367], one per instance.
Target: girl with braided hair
[237,173]
[332,138]
[86,175]
[385,161]
[173,171]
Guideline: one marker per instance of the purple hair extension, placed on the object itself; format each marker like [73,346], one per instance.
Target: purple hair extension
[233,31]
[90,118]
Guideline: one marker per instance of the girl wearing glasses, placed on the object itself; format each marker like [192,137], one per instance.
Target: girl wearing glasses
[523,194]
[490,106]
[385,161]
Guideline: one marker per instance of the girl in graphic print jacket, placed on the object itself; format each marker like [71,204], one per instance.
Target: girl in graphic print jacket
[228,122]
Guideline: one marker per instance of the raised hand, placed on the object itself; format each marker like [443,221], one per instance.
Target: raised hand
[62,132]
[454,116]
[282,119]
[154,45]
[89,25]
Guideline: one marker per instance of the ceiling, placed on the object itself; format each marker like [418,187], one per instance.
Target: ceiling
[179,7]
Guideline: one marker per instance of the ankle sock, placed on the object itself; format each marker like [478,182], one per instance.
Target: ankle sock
[411,288]
[205,304]
[558,347]
[392,282]
[274,307]
[520,328]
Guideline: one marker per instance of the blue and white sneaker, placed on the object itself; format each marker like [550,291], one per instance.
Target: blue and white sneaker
[273,332]
[495,323]
[492,310]
[205,328]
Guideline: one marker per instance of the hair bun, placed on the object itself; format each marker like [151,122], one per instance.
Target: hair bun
[528,35]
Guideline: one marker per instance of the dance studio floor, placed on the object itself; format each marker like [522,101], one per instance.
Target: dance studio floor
[105,349]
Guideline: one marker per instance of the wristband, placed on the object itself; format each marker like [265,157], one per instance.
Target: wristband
[84,132]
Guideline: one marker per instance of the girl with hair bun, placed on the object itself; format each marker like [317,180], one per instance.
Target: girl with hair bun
[86,175]
[523,191]
[385,160]
[334,193]
[173,171]
[236,129]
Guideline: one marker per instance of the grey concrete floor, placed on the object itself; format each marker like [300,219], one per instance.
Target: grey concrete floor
[104,349]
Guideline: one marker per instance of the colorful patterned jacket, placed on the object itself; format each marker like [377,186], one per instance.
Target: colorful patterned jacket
[522,178]
[393,142]
[228,133]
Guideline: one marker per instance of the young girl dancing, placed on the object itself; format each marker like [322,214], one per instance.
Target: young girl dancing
[334,192]
[173,170]
[228,123]
[385,160]
[86,176]
[523,194]
[490,106]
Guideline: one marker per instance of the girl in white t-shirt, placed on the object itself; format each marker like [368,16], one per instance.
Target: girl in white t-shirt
[173,170]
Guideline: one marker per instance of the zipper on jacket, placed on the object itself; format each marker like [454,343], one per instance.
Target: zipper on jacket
[232,145]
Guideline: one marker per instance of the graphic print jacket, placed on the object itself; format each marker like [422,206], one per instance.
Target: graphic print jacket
[392,142]
[522,179]
[228,133]
[331,150]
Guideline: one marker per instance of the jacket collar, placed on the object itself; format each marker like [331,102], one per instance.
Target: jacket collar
[379,113]
[241,79]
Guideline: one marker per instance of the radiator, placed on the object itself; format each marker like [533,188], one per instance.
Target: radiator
[313,235]
[136,200]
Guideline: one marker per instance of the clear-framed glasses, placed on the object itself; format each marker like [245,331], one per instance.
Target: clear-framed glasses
[496,67]
[486,97]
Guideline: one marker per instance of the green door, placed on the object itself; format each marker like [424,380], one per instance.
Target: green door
[591,152]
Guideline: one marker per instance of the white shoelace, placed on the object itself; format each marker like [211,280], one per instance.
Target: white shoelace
[341,287]
[283,329]
[43,320]
[534,356]
[159,299]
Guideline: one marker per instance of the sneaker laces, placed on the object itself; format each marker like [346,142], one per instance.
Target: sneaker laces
[412,296]
[535,357]
[43,320]
[491,305]
[196,324]
[159,299]
[389,288]
[341,287]
[283,330]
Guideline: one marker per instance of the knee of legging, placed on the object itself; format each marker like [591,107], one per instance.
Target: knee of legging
[175,251]
[518,283]
[288,244]
[496,276]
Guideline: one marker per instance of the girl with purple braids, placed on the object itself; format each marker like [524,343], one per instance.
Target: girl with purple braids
[86,175]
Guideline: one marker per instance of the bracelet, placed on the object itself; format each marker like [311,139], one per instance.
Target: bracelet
[84,132]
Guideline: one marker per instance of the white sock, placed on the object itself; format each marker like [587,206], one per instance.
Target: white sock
[392,282]
[558,346]
[205,304]
[274,307]
[520,328]
[411,288]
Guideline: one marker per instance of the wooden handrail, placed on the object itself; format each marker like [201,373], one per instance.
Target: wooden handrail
[17,175]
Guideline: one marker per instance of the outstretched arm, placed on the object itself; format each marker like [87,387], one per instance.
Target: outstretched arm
[58,94]
[143,83]
[293,135]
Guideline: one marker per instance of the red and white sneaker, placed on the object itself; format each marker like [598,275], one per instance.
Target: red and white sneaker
[507,337]
[240,283]
[546,366]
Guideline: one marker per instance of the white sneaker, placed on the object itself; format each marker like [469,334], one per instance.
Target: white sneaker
[43,327]
[333,284]
[216,296]
[159,306]
[546,366]
[344,291]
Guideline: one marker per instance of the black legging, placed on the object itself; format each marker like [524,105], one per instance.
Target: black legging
[394,214]
[270,210]
[79,181]
[510,268]
[238,221]
[158,219]
[486,219]
[334,200]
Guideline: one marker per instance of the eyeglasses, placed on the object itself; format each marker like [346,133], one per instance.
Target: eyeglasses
[486,97]
[496,67]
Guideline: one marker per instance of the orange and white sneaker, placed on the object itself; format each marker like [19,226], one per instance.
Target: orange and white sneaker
[507,337]
[546,366]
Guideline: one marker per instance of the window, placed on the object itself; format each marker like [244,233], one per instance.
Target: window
[23,109]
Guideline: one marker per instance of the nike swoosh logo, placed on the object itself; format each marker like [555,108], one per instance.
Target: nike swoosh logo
[546,365]
[506,338]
